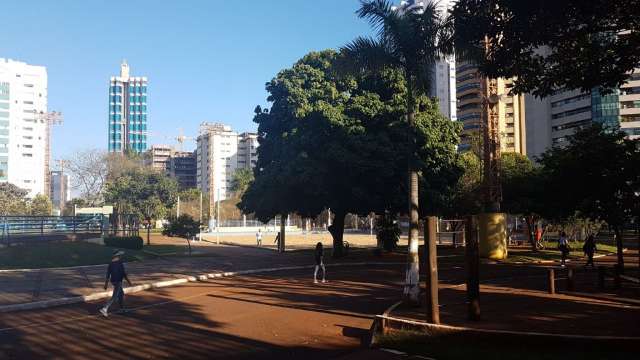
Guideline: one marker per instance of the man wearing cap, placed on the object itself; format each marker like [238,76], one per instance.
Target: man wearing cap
[115,273]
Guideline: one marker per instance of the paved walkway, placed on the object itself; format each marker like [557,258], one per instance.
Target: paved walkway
[262,316]
[44,284]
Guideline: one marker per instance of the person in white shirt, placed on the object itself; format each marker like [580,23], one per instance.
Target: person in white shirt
[259,237]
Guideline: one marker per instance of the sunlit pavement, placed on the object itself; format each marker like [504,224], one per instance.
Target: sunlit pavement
[279,315]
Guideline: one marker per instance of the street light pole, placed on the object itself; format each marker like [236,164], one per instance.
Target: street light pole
[218,218]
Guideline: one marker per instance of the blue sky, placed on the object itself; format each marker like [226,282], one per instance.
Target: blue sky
[205,60]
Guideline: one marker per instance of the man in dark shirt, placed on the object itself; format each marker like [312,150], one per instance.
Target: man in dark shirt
[115,273]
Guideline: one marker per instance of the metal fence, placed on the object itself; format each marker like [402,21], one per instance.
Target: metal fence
[28,228]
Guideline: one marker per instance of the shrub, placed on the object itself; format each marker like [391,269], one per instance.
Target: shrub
[388,232]
[125,242]
[184,226]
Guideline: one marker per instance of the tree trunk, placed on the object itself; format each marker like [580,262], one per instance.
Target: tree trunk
[412,275]
[618,237]
[281,243]
[337,233]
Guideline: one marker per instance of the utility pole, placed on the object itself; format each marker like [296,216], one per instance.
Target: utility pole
[200,218]
[218,219]
[178,208]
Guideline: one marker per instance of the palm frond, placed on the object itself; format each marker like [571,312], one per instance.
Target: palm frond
[366,54]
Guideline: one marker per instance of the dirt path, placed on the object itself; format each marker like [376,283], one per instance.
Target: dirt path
[279,315]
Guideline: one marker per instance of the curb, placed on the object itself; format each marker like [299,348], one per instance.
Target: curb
[440,329]
[167,283]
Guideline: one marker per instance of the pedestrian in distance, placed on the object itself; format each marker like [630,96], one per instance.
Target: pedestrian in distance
[589,249]
[115,273]
[563,246]
[319,255]
[259,237]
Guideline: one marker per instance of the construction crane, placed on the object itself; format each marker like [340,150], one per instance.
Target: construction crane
[49,119]
[181,138]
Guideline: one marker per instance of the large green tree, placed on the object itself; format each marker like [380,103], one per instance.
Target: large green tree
[547,45]
[408,39]
[141,193]
[595,175]
[338,141]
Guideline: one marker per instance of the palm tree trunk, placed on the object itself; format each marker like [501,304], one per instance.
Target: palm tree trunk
[412,276]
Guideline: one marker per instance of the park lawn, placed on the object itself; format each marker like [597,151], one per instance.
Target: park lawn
[457,346]
[552,253]
[72,253]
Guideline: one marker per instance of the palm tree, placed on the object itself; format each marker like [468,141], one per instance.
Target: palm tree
[407,38]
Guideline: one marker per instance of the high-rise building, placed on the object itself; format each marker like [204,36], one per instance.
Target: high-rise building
[183,167]
[127,112]
[511,111]
[60,192]
[220,153]
[554,118]
[23,129]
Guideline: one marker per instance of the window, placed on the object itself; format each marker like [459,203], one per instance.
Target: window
[27,155]
[28,85]
[571,112]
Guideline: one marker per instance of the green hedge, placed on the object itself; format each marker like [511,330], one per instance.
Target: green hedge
[125,242]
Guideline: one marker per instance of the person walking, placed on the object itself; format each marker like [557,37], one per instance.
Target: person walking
[115,274]
[259,237]
[589,249]
[319,256]
[563,246]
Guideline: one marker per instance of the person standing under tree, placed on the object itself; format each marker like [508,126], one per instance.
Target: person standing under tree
[589,249]
[563,246]
[115,273]
[259,237]
[319,255]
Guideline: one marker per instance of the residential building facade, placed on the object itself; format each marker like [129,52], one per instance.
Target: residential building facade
[23,126]
[220,153]
[60,191]
[470,102]
[183,167]
[555,118]
[159,157]
[127,112]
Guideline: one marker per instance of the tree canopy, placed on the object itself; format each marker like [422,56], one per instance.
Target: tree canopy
[142,193]
[597,175]
[547,45]
[340,141]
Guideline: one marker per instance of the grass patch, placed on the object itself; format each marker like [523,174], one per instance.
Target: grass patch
[459,346]
[76,253]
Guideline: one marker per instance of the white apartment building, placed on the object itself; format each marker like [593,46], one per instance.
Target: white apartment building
[220,153]
[23,128]
[553,119]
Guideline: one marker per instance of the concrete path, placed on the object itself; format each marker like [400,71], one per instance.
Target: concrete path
[18,287]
